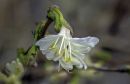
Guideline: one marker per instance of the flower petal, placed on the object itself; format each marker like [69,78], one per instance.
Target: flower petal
[88,41]
[65,65]
[66,50]
[79,57]
[49,55]
[80,48]
[45,43]
[76,62]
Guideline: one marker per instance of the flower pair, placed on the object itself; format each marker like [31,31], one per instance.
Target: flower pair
[66,50]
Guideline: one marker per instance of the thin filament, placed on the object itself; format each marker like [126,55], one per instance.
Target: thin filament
[61,45]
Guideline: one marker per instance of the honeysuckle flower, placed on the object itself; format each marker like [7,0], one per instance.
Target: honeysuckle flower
[66,50]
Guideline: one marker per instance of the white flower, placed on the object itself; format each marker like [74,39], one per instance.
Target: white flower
[66,50]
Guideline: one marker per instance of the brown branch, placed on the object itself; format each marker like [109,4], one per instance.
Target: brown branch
[120,70]
[45,27]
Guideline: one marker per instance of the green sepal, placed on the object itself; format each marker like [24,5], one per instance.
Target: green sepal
[26,57]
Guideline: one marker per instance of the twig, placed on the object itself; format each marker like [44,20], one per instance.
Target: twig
[120,70]
[45,27]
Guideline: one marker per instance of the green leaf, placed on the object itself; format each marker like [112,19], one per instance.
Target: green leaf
[15,71]
[39,30]
[29,55]
[56,15]
[15,67]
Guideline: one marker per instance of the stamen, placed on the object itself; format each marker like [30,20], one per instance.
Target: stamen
[59,67]
[61,45]
[66,54]
[56,41]
[70,50]
[53,45]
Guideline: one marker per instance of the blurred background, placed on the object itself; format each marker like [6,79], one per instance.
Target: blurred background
[109,20]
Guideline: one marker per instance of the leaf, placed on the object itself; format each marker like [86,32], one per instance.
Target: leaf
[15,67]
[39,30]
[56,15]
[15,72]
[29,55]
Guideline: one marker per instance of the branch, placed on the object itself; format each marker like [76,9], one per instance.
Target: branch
[44,28]
[120,70]
[30,54]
